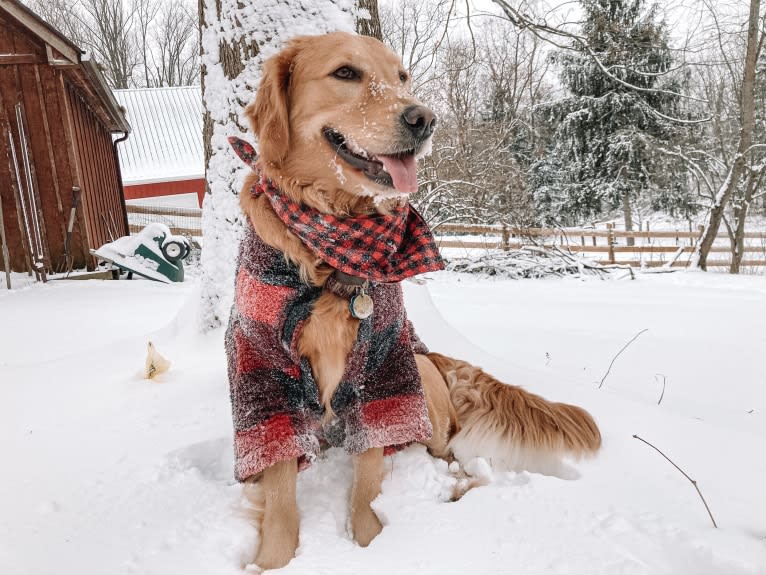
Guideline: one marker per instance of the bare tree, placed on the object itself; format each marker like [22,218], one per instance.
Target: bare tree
[738,163]
[137,42]
[417,31]
[146,12]
[174,61]
[110,34]
[60,15]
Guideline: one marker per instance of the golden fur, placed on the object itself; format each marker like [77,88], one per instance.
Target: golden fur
[300,95]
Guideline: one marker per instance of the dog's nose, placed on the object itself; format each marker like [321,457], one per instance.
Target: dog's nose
[420,121]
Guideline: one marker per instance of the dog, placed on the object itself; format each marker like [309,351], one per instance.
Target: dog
[339,135]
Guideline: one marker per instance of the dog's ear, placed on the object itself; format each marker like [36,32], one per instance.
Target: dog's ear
[269,113]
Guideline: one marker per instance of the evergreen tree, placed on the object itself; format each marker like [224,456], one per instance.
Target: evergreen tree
[606,136]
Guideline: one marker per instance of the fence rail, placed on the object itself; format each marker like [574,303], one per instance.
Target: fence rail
[181,221]
[607,246]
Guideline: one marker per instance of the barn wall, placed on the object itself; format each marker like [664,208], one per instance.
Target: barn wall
[103,204]
[68,146]
[19,53]
[8,192]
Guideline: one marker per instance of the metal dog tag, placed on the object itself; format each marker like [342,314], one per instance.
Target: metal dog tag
[361,305]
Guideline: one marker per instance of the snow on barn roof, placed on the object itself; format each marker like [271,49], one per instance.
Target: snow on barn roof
[166,141]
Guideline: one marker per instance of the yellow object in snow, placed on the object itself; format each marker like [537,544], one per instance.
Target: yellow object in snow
[156,364]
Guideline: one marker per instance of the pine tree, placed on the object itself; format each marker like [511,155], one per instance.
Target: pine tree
[606,138]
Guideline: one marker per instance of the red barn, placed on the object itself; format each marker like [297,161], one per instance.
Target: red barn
[57,121]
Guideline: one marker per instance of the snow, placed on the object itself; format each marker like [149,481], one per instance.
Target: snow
[106,472]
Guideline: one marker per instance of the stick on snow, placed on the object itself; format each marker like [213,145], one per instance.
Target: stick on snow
[656,377]
[624,347]
[692,481]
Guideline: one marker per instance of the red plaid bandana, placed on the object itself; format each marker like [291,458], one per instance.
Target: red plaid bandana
[378,247]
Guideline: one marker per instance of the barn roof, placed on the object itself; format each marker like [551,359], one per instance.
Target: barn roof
[166,143]
[62,52]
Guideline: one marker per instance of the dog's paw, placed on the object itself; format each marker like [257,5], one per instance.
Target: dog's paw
[277,550]
[365,526]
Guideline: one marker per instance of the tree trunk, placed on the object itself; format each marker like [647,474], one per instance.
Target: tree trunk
[752,185]
[745,141]
[369,26]
[627,212]
[737,239]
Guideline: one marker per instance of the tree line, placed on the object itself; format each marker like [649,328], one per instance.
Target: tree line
[571,124]
[541,123]
[138,43]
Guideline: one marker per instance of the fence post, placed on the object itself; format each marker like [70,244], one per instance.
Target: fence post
[610,240]
[506,238]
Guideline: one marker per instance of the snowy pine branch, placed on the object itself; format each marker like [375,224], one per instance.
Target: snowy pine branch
[553,35]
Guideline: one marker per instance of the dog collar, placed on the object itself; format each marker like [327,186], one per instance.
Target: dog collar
[354,289]
[385,248]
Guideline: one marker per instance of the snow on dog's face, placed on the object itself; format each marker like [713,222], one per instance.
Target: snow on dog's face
[335,113]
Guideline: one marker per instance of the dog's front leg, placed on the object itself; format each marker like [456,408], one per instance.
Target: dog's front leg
[368,475]
[279,528]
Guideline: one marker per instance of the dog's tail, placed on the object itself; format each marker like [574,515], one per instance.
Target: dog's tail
[511,427]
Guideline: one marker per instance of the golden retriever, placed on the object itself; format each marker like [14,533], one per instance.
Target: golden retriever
[340,132]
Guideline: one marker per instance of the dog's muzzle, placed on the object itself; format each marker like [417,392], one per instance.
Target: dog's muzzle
[395,168]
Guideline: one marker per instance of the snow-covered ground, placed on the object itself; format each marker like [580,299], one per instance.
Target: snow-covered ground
[106,472]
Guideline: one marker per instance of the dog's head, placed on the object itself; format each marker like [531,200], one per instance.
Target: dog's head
[335,113]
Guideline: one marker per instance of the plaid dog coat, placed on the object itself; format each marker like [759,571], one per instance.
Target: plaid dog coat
[275,400]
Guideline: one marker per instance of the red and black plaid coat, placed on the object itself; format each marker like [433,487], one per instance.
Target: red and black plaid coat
[275,401]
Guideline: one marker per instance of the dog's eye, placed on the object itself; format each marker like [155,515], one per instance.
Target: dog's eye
[404,76]
[346,73]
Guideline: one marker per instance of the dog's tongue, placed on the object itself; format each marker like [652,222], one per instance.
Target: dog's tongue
[403,172]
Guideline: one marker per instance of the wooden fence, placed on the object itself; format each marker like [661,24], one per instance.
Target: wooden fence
[181,221]
[607,246]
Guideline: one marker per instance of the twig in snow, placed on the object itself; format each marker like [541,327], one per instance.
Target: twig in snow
[669,264]
[624,347]
[656,375]
[692,481]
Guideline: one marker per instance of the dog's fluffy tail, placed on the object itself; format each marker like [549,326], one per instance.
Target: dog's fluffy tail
[511,427]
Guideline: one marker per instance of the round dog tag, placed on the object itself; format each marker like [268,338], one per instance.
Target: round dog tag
[361,306]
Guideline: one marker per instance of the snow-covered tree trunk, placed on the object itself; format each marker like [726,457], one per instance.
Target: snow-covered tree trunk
[236,36]
[740,211]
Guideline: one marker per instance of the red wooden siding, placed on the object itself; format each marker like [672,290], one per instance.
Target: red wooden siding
[140,191]
[102,202]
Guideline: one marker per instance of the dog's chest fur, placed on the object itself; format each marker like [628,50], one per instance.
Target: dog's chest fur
[326,340]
